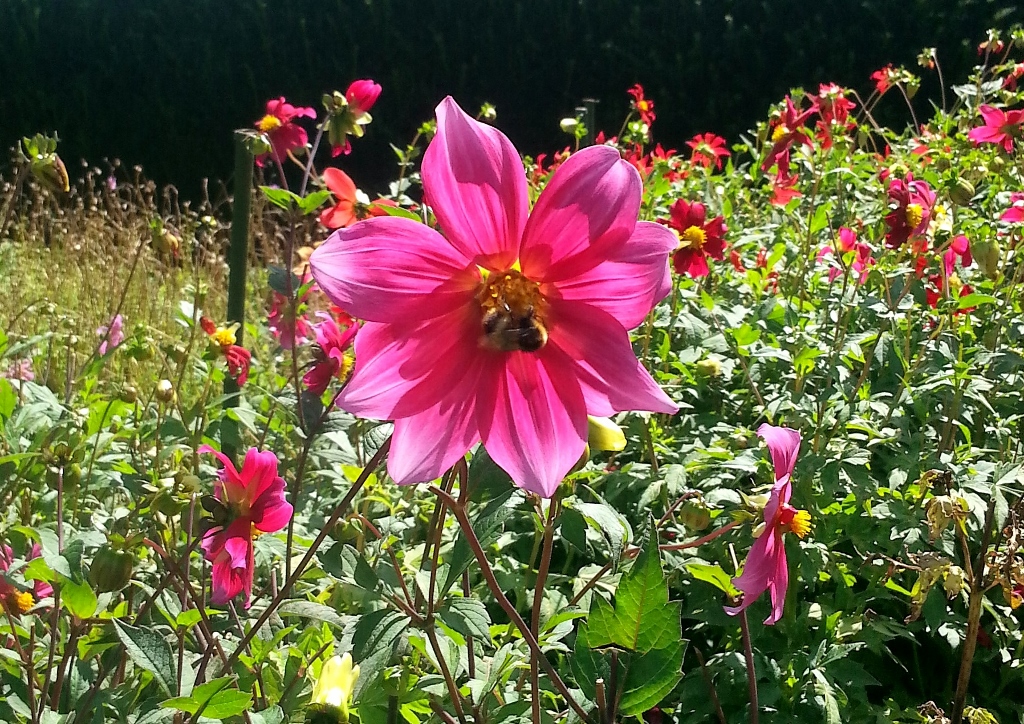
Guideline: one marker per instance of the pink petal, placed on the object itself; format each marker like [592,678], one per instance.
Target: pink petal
[270,512]
[474,180]
[589,207]
[389,269]
[428,443]
[612,378]
[778,584]
[783,444]
[759,569]
[627,283]
[403,370]
[535,428]
[259,472]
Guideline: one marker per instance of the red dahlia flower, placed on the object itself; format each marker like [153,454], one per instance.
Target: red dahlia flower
[512,327]
[248,502]
[912,211]
[643,106]
[698,239]
[223,340]
[707,149]
[766,568]
[834,107]
[1001,127]
[885,78]
[787,130]
[284,135]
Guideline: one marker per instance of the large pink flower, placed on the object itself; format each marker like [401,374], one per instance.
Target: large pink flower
[512,327]
[1001,127]
[250,501]
[766,568]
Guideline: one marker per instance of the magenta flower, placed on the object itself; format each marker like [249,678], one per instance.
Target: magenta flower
[288,330]
[766,568]
[959,247]
[111,335]
[19,369]
[361,95]
[283,134]
[332,341]
[512,327]
[250,502]
[859,261]
[912,210]
[699,238]
[1015,213]
[1001,127]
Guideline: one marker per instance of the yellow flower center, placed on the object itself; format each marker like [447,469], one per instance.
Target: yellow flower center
[793,520]
[779,132]
[692,237]
[268,123]
[22,601]
[223,337]
[643,106]
[914,215]
[512,312]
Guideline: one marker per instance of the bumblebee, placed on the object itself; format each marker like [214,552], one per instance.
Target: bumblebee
[507,331]
[220,514]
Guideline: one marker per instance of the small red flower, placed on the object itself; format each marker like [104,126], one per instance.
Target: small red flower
[784,187]
[238,359]
[885,78]
[1010,81]
[834,107]
[736,261]
[644,106]
[284,135]
[788,130]
[343,213]
[912,211]
[941,286]
[1014,214]
[1001,127]
[708,149]
[993,46]
[698,238]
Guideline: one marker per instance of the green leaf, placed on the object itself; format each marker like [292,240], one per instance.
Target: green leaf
[974,300]
[313,201]
[713,575]
[373,644]
[650,677]
[314,611]
[7,399]
[643,618]
[282,198]
[277,278]
[398,211]
[200,695]
[149,651]
[78,598]
[486,525]
[468,616]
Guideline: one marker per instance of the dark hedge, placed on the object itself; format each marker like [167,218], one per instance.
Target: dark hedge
[163,82]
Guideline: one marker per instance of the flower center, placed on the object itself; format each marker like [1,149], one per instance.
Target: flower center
[692,237]
[223,337]
[795,521]
[21,601]
[914,215]
[268,123]
[779,132]
[513,311]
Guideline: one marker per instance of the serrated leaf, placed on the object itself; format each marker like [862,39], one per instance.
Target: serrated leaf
[468,616]
[487,524]
[650,677]
[150,652]
[713,575]
[314,611]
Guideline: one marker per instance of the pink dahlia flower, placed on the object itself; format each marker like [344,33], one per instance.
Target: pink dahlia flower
[511,327]
[250,501]
[1015,213]
[766,568]
[859,262]
[112,335]
[283,133]
[332,340]
[1001,127]
[959,247]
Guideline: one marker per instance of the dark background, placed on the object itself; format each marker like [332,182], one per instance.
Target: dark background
[162,82]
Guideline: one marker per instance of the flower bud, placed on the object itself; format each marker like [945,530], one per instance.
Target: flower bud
[987,253]
[129,394]
[333,691]
[603,434]
[709,368]
[165,391]
[568,125]
[111,569]
[962,192]
[695,515]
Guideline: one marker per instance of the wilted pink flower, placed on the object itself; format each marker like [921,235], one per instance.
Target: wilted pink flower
[283,134]
[19,369]
[788,130]
[911,212]
[249,502]
[288,331]
[699,238]
[1001,127]
[1014,214]
[707,149]
[860,262]
[512,327]
[332,340]
[111,335]
[766,568]
[959,247]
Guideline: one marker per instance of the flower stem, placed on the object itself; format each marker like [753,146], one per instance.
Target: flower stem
[538,599]
[459,510]
[748,653]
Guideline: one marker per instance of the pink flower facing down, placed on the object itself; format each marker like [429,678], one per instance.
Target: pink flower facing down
[960,248]
[332,341]
[250,501]
[1001,127]
[283,134]
[708,149]
[288,331]
[1015,213]
[766,568]
[856,256]
[512,327]
[349,114]
[910,210]
[111,335]
[698,238]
